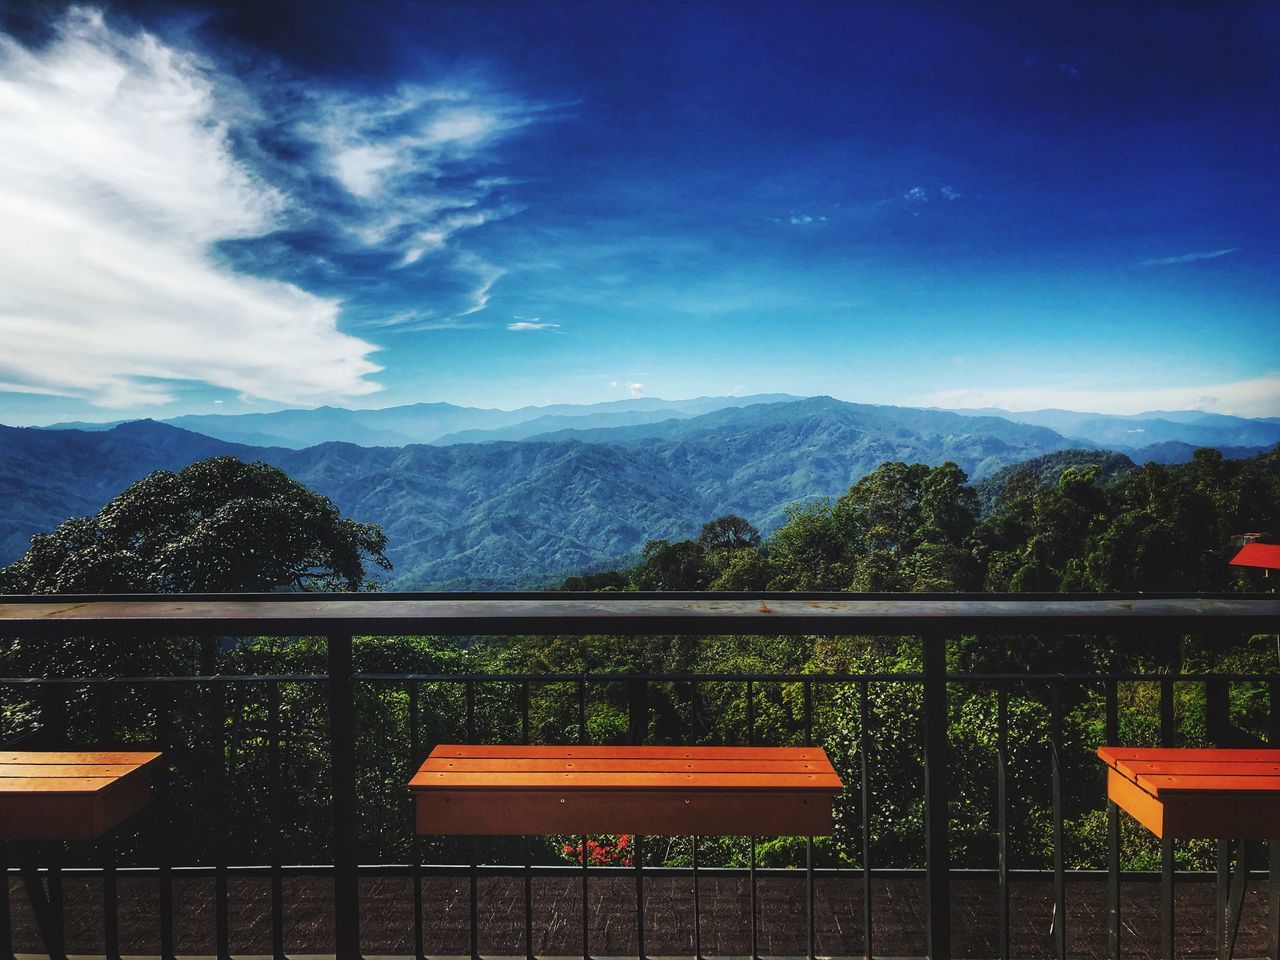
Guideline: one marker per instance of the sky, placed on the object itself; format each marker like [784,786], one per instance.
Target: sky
[234,208]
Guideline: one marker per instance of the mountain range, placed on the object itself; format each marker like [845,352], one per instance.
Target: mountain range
[585,489]
[441,423]
[1165,436]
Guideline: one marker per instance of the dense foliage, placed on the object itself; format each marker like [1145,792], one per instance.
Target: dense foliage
[1064,523]
[216,526]
[903,527]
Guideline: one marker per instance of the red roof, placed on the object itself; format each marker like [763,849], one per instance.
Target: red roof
[1266,555]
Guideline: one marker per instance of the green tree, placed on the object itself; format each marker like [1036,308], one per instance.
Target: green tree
[216,526]
[671,566]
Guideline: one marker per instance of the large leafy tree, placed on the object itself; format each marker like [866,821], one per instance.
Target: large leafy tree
[216,526]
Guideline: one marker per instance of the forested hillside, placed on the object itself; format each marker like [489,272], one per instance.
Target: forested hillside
[516,514]
[1070,522]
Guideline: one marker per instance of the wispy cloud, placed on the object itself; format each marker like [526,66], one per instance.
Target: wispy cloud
[1186,258]
[414,167]
[533,323]
[419,321]
[120,178]
[635,389]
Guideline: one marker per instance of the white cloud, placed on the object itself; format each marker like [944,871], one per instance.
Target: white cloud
[119,177]
[635,389]
[1255,397]
[486,275]
[1186,258]
[534,323]
[410,162]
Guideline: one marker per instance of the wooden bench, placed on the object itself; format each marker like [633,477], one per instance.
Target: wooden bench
[70,796]
[61,796]
[668,791]
[1208,793]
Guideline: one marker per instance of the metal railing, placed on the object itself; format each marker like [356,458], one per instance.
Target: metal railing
[231,713]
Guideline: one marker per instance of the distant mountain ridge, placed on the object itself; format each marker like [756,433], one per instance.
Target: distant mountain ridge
[1145,431]
[1144,436]
[516,513]
[429,422]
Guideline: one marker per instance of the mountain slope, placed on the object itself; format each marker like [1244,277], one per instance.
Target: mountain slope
[1137,431]
[47,476]
[506,513]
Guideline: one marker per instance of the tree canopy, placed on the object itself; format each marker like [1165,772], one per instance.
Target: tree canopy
[217,526]
[914,528]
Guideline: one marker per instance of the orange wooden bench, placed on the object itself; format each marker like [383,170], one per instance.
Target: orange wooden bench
[70,796]
[60,796]
[671,791]
[1208,793]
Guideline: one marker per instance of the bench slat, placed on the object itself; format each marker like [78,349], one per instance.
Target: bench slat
[588,780]
[568,789]
[75,770]
[1110,755]
[133,758]
[563,765]
[556,751]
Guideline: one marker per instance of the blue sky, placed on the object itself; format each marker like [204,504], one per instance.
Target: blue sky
[245,207]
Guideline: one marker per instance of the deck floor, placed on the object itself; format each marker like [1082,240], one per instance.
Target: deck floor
[387,917]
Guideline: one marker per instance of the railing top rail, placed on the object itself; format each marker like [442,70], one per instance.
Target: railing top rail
[632,614]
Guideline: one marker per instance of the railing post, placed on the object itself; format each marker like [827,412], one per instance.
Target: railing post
[937,854]
[342,744]
[638,710]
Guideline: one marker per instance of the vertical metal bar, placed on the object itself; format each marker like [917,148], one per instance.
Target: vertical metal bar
[528,845]
[1273,844]
[1221,885]
[864,801]
[697,906]
[342,746]
[637,856]
[638,704]
[1002,816]
[53,713]
[582,840]
[107,844]
[57,911]
[937,854]
[415,760]
[751,860]
[6,918]
[810,920]
[755,909]
[277,819]
[1167,734]
[638,710]
[1059,854]
[473,867]
[110,897]
[164,819]
[586,903]
[1112,734]
[217,745]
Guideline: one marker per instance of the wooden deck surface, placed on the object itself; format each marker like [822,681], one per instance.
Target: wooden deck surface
[387,917]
